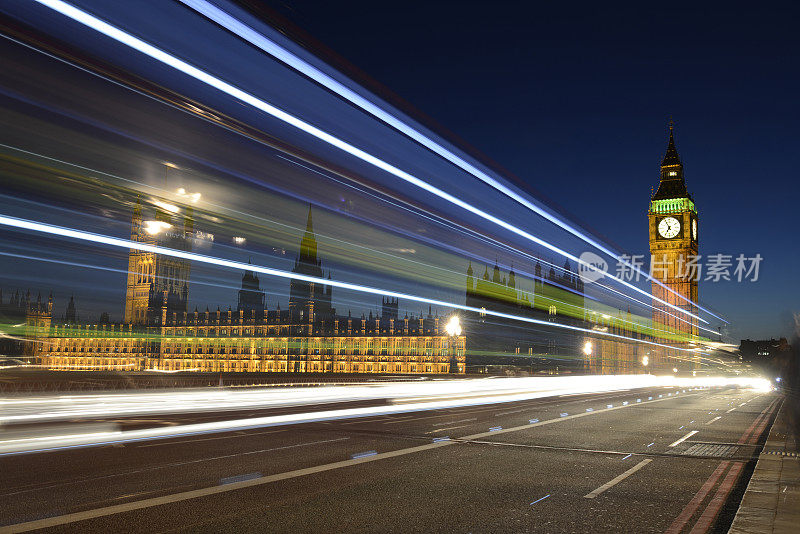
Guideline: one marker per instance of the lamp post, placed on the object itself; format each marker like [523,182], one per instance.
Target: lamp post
[453,330]
[645,362]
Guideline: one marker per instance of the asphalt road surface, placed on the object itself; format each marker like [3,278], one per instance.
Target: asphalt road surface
[657,460]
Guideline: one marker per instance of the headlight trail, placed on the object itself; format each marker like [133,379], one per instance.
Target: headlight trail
[225,87]
[403,398]
[80,235]
[280,53]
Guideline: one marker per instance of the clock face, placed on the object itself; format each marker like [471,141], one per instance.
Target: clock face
[669,227]
[694,229]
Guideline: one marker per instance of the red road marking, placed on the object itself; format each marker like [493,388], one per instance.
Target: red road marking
[710,513]
[698,498]
[764,421]
[762,416]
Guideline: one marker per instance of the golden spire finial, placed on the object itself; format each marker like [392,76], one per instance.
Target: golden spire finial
[671,122]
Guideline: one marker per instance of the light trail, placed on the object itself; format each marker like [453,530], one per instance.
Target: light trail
[473,234]
[280,53]
[401,396]
[81,235]
[225,87]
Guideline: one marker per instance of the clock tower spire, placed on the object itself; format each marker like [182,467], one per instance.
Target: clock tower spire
[673,244]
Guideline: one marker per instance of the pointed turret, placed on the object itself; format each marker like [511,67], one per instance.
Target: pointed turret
[70,317]
[308,246]
[672,184]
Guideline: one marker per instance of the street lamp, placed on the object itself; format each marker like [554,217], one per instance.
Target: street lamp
[453,329]
[156,227]
[190,197]
[645,361]
[587,348]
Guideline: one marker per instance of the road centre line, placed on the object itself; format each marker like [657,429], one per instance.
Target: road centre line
[509,413]
[209,439]
[616,480]
[214,490]
[167,466]
[717,418]
[445,429]
[454,422]
[684,438]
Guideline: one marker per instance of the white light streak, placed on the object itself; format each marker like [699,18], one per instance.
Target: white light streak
[192,256]
[418,396]
[280,53]
[182,66]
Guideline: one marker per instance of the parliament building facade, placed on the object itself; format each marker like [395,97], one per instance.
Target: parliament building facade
[552,328]
[158,332]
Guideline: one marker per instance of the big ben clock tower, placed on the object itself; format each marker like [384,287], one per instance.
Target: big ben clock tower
[673,244]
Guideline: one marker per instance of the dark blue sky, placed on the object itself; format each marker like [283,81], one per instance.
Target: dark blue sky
[574,100]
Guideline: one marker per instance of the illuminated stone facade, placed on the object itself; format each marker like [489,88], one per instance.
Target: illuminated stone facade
[673,228]
[159,334]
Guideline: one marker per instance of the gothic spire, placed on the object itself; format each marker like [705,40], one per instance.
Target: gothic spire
[671,157]
[672,184]
[308,246]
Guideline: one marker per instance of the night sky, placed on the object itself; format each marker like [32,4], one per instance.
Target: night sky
[574,100]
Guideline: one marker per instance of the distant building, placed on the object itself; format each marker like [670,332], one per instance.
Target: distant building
[251,297]
[24,322]
[762,351]
[673,229]
[158,285]
[546,298]
[159,333]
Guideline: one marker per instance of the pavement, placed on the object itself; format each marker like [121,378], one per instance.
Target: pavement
[650,460]
[771,503]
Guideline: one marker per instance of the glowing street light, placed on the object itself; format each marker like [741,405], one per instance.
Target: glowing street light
[587,348]
[166,206]
[191,197]
[453,326]
[156,227]
[645,360]
[674,369]
[453,329]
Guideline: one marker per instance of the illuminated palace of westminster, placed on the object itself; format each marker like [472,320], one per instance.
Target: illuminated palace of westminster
[158,333]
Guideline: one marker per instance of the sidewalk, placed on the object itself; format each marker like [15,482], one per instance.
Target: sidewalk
[771,503]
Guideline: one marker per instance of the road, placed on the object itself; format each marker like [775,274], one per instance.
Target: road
[626,461]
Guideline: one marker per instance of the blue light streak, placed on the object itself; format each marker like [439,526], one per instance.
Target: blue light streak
[194,72]
[540,500]
[280,53]
[202,258]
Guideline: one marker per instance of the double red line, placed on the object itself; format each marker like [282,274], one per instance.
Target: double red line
[707,517]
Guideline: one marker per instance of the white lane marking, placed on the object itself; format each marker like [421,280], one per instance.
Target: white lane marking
[616,480]
[684,438]
[507,413]
[729,411]
[446,428]
[208,439]
[717,418]
[214,490]
[454,422]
